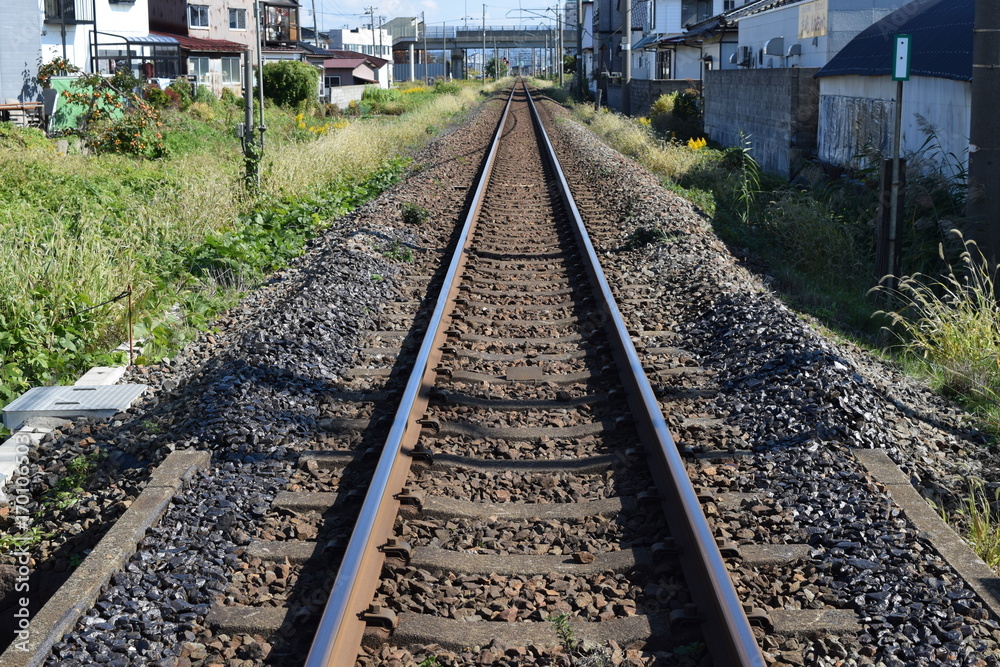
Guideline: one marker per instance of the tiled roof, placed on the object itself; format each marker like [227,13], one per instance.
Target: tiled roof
[197,44]
[941,42]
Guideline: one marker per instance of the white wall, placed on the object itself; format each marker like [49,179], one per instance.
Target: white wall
[687,63]
[130,20]
[361,41]
[845,19]
[858,110]
[668,17]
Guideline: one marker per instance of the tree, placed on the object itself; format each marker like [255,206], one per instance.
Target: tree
[496,68]
[291,82]
[569,64]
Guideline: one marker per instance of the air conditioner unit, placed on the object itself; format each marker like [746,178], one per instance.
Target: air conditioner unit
[745,56]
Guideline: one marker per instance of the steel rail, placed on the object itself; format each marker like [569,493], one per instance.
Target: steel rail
[341,628]
[726,627]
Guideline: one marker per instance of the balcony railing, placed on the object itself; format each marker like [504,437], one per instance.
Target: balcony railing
[69,11]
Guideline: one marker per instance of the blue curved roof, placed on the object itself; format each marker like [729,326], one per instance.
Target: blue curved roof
[941,45]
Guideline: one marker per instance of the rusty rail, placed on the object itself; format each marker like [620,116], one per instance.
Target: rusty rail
[341,628]
[721,612]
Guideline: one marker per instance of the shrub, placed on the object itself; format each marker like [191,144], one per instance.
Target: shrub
[204,95]
[291,83]
[202,111]
[230,98]
[387,101]
[179,92]
[446,87]
[678,114]
[156,97]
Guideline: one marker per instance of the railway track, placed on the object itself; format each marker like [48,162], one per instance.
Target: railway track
[523,509]
[527,380]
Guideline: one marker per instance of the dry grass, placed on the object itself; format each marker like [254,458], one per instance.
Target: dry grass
[952,326]
[668,160]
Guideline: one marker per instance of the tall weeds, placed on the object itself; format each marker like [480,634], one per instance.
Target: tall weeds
[76,230]
[951,325]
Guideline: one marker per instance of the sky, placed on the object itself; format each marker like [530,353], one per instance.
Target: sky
[352,13]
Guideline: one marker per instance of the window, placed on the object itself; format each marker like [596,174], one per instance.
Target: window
[663,64]
[237,19]
[198,16]
[331,81]
[231,70]
[729,5]
[198,67]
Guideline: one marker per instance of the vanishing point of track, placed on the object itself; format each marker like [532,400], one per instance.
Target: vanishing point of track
[526,366]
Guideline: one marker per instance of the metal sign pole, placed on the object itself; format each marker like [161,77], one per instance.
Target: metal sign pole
[900,73]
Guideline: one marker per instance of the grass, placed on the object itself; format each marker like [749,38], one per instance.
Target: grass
[978,524]
[814,241]
[949,328]
[77,230]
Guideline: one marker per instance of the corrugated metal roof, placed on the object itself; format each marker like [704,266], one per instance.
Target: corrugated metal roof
[941,45]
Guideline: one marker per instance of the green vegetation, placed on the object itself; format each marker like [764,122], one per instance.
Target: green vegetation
[948,327]
[398,252]
[825,228]
[978,523]
[290,83]
[678,115]
[67,490]
[78,228]
[564,632]
[414,215]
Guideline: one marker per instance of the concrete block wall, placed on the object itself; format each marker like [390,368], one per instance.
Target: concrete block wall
[645,92]
[777,108]
[342,96]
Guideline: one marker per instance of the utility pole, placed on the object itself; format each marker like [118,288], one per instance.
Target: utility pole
[579,49]
[371,25]
[484,44]
[251,158]
[627,69]
[983,203]
[559,27]
[315,25]
[426,68]
[261,127]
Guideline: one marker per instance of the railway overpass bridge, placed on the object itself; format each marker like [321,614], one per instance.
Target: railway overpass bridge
[532,49]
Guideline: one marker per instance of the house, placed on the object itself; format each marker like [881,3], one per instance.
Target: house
[377,43]
[102,35]
[350,68]
[857,95]
[213,36]
[804,33]
[20,51]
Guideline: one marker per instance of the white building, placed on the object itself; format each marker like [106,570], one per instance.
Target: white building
[857,96]
[806,33]
[122,28]
[376,43]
